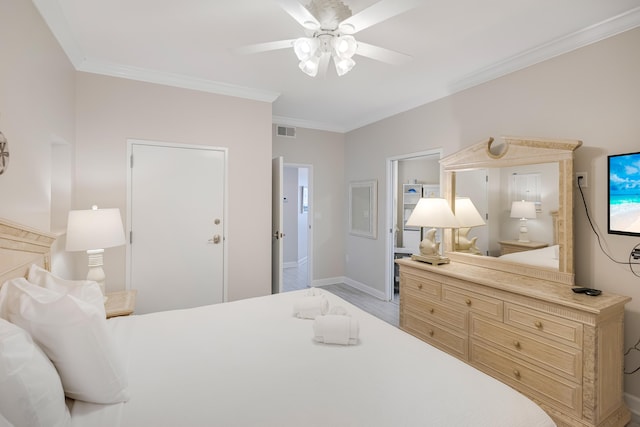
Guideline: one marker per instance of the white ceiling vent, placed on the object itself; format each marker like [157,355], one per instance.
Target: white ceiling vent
[286,131]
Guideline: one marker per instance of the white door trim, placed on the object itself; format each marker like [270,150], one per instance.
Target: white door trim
[390,214]
[225,151]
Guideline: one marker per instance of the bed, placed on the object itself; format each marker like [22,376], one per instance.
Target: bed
[252,363]
[546,257]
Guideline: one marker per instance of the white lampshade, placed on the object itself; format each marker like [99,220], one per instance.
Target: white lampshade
[94,229]
[467,214]
[433,212]
[523,210]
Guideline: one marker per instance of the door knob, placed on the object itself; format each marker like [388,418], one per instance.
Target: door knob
[215,240]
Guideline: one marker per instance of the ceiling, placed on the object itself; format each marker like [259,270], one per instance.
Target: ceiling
[454,45]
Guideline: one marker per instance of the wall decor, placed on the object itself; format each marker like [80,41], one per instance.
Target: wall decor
[4,154]
[363,206]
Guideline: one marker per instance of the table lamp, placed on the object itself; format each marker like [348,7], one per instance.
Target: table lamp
[468,217]
[433,213]
[523,210]
[94,230]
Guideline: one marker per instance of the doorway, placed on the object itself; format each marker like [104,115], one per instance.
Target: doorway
[176,213]
[409,177]
[297,226]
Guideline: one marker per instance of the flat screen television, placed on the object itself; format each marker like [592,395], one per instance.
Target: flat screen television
[624,194]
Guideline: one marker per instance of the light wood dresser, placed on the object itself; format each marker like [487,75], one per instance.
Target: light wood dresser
[563,350]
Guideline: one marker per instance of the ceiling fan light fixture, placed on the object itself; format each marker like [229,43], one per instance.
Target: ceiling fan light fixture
[344,65]
[344,47]
[310,66]
[305,48]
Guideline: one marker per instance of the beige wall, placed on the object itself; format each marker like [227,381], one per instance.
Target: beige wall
[591,94]
[36,110]
[325,152]
[111,110]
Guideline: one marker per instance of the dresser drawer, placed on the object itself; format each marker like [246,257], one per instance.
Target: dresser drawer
[474,302]
[536,383]
[433,311]
[544,324]
[558,358]
[448,341]
[420,286]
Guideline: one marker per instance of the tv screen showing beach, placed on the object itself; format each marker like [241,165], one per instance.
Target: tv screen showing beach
[624,194]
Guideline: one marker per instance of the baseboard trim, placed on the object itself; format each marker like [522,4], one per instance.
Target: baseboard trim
[352,283]
[633,403]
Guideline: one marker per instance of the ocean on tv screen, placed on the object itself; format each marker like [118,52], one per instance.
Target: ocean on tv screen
[624,193]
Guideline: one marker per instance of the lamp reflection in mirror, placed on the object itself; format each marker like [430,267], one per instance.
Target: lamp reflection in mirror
[523,210]
[94,230]
[433,213]
[468,217]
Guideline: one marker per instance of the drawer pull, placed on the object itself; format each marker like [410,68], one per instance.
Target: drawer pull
[419,285]
[431,310]
[467,301]
[516,373]
[430,332]
[538,324]
[517,345]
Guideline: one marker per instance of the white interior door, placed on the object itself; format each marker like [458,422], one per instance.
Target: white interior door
[176,218]
[277,224]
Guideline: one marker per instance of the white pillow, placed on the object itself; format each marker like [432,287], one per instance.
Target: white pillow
[30,389]
[87,290]
[74,335]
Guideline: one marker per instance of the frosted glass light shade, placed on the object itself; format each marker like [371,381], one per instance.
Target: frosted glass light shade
[94,229]
[433,212]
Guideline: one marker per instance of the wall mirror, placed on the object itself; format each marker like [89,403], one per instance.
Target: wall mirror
[493,175]
[363,206]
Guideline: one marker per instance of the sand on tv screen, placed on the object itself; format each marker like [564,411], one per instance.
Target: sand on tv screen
[624,194]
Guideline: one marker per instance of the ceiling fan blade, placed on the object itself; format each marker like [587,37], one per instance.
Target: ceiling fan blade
[299,13]
[323,65]
[263,47]
[382,54]
[376,13]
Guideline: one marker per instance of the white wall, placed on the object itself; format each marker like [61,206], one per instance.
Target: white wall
[111,110]
[36,111]
[591,94]
[290,216]
[325,152]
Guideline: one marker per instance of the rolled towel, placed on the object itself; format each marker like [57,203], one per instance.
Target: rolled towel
[336,329]
[308,307]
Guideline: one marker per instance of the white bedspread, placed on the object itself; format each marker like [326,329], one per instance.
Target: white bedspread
[543,257]
[251,363]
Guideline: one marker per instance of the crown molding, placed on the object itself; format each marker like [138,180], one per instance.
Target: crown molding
[176,80]
[592,34]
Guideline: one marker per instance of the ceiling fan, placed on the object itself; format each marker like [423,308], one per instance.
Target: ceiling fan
[329,27]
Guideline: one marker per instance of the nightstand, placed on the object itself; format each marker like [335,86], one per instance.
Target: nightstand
[121,303]
[511,246]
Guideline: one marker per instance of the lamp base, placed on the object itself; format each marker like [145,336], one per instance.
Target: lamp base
[430,259]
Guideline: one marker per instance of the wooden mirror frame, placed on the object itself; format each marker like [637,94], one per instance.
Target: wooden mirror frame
[518,151]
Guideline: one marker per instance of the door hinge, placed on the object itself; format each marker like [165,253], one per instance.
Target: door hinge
[130,237]
[131,161]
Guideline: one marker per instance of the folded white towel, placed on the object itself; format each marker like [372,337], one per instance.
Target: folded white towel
[336,329]
[308,307]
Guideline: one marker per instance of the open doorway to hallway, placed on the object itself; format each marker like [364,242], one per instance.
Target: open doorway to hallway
[297,214]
